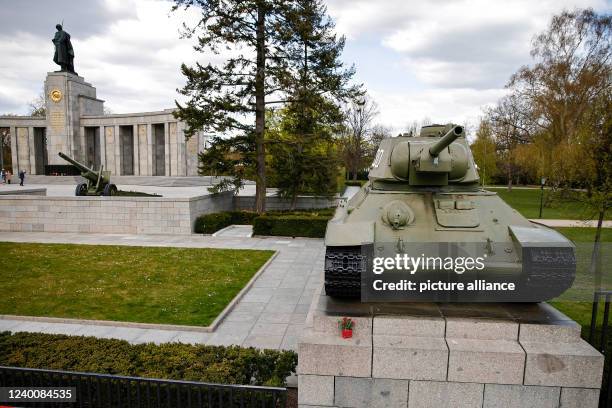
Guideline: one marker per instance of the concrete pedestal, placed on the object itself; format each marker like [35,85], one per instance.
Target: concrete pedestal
[68,97]
[436,355]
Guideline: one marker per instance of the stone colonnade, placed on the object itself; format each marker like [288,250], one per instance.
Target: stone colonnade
[157,144]
[134,144]
[23,144]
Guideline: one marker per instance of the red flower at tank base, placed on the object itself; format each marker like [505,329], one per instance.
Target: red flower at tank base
[346,326]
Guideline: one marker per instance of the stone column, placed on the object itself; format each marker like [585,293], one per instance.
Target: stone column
[136,153]
[14,156]
[167,148]
[117,151]
[32,145]
[102,147]
[175,162]
[151,159]
[84,147]
[180,149]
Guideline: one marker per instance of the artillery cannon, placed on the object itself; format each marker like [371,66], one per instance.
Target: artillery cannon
[98,182]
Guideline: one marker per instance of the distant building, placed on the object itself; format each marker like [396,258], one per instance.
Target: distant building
[139,144]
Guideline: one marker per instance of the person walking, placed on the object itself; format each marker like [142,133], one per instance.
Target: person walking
[21,177]
[9,176]
[3,173]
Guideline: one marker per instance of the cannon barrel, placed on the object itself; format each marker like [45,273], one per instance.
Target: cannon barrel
[446,140]
[82,168]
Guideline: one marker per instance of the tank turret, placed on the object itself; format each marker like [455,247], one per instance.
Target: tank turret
[439,156]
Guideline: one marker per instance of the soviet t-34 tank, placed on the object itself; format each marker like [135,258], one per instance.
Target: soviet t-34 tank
[423,191]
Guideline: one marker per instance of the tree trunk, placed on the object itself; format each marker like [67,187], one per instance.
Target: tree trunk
[509,174]
[293,200]
[260,112]
[596,247]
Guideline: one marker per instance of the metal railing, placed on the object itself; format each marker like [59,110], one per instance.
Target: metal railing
[104,390]
[605,399]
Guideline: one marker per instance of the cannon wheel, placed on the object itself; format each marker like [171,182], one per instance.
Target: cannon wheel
[81,189]
[109,190]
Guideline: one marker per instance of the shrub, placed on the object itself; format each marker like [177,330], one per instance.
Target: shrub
[211,223]
[243,217]
[355,183]
[308,212]
[291,225]
[218,364]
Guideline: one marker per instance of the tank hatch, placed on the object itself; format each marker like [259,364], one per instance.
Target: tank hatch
[455,212]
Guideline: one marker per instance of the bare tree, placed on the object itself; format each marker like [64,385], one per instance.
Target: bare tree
[380,132]
[513,124]
[572,70]
[359,118]
[412,129]
[38,106]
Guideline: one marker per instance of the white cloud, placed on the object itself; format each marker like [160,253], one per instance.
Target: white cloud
[134,63]
[460,105]
[457,54]
[442,59]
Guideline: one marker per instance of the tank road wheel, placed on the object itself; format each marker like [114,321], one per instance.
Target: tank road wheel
[110,190]
[81,189]
[343,269]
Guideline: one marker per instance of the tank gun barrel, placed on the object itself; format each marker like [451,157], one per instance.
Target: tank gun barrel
[446,140]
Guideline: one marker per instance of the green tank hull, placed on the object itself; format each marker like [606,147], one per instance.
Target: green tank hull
[423,192]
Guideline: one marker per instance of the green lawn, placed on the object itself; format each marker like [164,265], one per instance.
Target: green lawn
[123,283]
[527,202]
[576,301]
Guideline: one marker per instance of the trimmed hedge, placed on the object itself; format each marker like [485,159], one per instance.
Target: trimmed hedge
[355,183]
[211,223]
[291,226]
[217,364]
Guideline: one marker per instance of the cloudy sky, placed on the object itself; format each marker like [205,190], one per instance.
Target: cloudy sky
[438,59]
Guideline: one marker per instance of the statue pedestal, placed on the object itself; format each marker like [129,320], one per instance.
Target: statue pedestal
[68,97]
[434,355]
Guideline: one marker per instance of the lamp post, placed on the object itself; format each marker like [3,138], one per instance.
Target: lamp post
[542,183]
[2,137]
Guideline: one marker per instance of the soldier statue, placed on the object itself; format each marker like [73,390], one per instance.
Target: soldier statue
[64,54]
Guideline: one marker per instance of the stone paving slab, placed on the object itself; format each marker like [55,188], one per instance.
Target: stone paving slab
[429,394]
[327,354]
[413,358]
[270,315]
[485,361]
[520,396]
[579,398]
[571,364]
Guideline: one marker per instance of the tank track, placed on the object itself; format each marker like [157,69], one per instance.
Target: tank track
[343,269]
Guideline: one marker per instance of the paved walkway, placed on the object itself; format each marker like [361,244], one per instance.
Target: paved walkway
[270,315]
[572,223]
[236,231]
[67,190]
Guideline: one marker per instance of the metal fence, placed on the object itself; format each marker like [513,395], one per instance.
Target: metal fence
[600,342]
[103,390]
